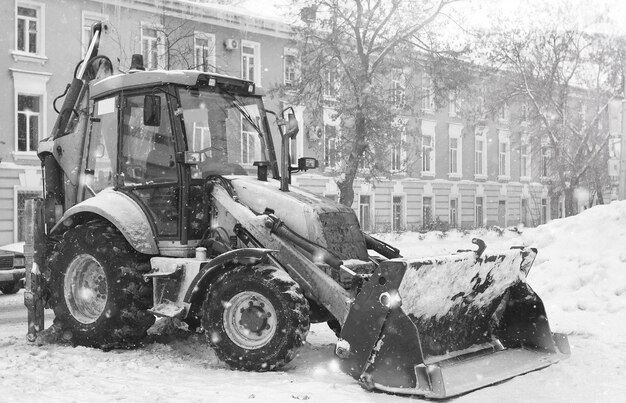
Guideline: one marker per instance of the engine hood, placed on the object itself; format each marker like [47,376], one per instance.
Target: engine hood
[316,218]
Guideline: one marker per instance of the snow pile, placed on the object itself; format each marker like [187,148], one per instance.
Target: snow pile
[580,266]
[581,263]
[580,274]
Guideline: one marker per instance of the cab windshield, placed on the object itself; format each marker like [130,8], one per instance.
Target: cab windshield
[227,129]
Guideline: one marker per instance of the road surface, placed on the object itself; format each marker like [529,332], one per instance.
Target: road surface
[13,311]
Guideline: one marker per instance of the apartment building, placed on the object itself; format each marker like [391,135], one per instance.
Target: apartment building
[465,175]
[45,39]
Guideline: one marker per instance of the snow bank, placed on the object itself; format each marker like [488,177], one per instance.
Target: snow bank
[582,259]
[580,266]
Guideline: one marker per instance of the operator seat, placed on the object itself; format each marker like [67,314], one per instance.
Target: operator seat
[160,163]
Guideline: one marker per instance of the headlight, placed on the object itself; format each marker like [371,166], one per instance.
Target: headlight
[19,261]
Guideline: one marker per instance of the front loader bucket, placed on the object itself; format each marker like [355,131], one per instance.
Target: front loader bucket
[440,327]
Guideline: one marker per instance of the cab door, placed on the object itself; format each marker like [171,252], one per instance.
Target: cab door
[147,166]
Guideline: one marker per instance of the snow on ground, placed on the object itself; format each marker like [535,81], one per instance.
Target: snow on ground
[580,273]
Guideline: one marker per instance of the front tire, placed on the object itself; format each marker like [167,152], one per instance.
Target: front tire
[255,318]
[98,292]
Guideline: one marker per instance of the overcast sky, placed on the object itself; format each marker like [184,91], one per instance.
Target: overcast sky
[608,16]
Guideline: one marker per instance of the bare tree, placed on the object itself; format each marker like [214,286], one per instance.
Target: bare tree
[348,50]
[565,78]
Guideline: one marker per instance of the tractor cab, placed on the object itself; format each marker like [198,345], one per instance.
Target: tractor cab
[157,136]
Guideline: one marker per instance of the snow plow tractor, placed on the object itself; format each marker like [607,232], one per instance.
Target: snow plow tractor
[163,197]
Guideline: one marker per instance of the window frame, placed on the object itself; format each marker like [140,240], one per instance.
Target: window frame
[454,212]
[427,94]
[398,88]
[429,129]
[32,84]
[24,55]
[403,207]
[525,160]
[431,206]
[455,132]
[504,156]
[482,210]
[328,152]
[290,68]
[398,155]
[158,39]
[370,212]
[256,62]
[210,57]
[545,162]
[330,84]
[480,156]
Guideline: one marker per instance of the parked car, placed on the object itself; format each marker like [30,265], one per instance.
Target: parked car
[12,268]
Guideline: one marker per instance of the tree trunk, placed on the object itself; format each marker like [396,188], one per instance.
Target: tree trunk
[570,205]
[351,168]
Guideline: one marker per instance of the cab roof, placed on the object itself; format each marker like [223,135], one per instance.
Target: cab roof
[154,78]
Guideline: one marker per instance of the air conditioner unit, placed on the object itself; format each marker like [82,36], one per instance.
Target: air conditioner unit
[314,133]
[231,44]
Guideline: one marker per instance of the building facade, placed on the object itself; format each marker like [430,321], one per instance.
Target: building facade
[465,175]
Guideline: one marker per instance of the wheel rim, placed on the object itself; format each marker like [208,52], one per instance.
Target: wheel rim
[86,289]
[250,320]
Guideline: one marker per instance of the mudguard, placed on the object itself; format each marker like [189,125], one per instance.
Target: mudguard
[121,211]
[440,327]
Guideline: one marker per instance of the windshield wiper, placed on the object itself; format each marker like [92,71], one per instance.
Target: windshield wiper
[242,109]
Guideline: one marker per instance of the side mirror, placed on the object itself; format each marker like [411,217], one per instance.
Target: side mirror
[152,110]
[292,126]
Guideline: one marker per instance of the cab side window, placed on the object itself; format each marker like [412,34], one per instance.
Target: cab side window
[102,152]
[147,149]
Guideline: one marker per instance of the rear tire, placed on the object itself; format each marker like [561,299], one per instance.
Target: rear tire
[98,292]
[10,288]
[255,318]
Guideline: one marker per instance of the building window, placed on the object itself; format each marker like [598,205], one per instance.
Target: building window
[398,88]
[454,212]
[290,61]
[89,19]
[22,196]
[524,160]
[428,154]
[365,212]
[480,211]
[480,154]
[427,211]
[331,159]
[427,94]
[524,113]
[503,113]
[453,106]
[544,211]
[151,39]
[28,122]
[250,147]
[504,156]
[545,162]
[204,51]
[29,32]
[502,213]
[455,152]
[330,82]
[397,213]
[251,61]
[524,213]
[454,155]
[504,159]
[398,148]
